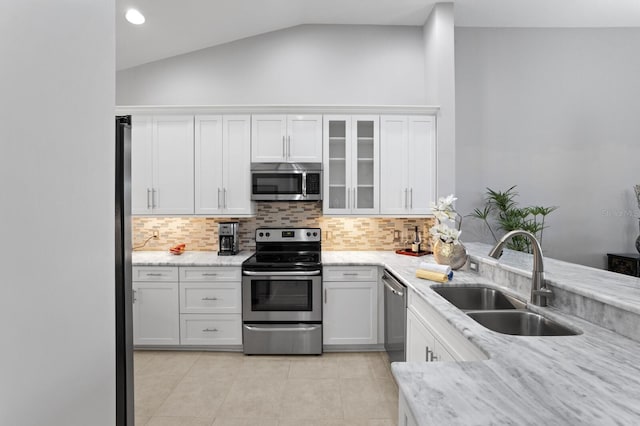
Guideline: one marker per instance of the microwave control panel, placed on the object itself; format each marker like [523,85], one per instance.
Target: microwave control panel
[313,183]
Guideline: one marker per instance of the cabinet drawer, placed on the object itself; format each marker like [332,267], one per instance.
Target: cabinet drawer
[210,329]
[351,273]
[202,298]
[210,274]
[155,273]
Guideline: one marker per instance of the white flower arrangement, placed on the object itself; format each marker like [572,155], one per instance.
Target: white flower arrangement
[444,212]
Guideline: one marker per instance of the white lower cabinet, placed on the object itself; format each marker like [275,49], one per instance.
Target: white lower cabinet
[405,416]
[155,306]
[431,338]
[187,306]
[350,310]
[210,329]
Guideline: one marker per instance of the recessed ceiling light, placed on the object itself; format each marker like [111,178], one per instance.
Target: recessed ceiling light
[134,16]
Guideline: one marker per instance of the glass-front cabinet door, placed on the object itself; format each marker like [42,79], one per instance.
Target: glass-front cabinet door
[351,171]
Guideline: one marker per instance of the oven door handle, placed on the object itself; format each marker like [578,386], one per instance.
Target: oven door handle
[309,328]
[281,273]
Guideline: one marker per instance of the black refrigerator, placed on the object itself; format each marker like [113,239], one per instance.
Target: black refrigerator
[123,290]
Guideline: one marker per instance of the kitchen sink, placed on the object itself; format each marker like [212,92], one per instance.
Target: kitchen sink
[477,298]
[520,323]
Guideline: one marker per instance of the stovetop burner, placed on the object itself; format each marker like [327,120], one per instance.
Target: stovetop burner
[286,249]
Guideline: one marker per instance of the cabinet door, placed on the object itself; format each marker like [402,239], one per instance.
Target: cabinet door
[337,161]
[419,340]
[304,139]
[350,314]
[141,164]
[394,190]
[237,165]
[209,187]
[268,138]
[365,166]
[173,164]
[155,313]
[421,170]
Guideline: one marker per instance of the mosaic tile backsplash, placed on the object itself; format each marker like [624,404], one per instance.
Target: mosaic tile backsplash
[338,233]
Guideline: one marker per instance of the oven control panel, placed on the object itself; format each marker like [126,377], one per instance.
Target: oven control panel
[276,235]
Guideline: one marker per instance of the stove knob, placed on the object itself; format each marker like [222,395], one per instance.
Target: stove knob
[268,234]
[315,234]
[261,234]
[309,234]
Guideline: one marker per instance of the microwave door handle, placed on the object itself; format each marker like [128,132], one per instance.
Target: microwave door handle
[304,184]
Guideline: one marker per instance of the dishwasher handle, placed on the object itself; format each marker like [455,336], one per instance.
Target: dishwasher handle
[393,285]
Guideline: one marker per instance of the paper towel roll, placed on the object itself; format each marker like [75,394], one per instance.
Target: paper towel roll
[433,276]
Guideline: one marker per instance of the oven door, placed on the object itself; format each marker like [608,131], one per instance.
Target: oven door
[282,297]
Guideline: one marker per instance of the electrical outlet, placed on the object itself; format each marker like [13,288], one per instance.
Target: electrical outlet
[155,234]
[474,266]
[397,235]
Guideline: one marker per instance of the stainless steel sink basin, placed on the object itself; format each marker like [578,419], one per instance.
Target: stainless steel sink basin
[520,323]
[477,298]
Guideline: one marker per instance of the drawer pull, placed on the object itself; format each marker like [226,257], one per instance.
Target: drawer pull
[209,298]
[209,274]
[208,330]
[151,274]
[350,274]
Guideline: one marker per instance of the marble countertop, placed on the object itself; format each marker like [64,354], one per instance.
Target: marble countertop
[188,258]
[589,379]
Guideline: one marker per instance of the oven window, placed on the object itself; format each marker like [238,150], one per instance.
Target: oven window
[277,183]
[281,295]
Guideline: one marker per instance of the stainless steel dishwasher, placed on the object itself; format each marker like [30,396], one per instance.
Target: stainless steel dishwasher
[395,317]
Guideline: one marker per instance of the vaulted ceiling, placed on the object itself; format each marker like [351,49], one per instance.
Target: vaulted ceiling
[174,27]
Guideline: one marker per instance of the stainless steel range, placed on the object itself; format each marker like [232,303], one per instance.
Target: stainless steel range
[282,293]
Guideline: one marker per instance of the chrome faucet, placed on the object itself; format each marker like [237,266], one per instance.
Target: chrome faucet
[539,290]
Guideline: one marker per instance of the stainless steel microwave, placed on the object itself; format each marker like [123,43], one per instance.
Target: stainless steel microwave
[286,181]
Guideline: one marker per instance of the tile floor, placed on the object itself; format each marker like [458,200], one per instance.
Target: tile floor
[230,389]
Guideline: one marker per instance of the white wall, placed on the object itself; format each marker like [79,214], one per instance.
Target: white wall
[554,111]
[57,82]
[308,64]
[439,79]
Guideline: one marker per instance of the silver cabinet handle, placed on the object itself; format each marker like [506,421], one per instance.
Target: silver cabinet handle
[148,201]
[209,298]
[355,201]
[348,197]
[153,199]
[350,274]
[288,147]
[325,296]
[225,198]
[404,198]
[218,197]
[154,274]
[411,198]
[428,354]
[284,148]
[209,274]
[206,330]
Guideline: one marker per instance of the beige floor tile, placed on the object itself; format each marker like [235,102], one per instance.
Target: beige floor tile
[196,397]
[179,421]
[170,363]
[245,422]
[380,367]
[314,368]
[141,421]
[311,399]
[367,399]
[151,391]
[336,422]
[218,365]
[355,368]
[253,397]
[270,367]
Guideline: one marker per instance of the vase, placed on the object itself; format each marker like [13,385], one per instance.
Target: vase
[454,255]
[638,239]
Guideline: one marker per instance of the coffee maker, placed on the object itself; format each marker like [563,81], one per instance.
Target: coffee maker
[228,238]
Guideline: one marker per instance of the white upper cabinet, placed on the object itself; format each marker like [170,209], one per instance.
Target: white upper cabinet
[222,165]
[351,165]
[286,138]
[407,164]
[162,164]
